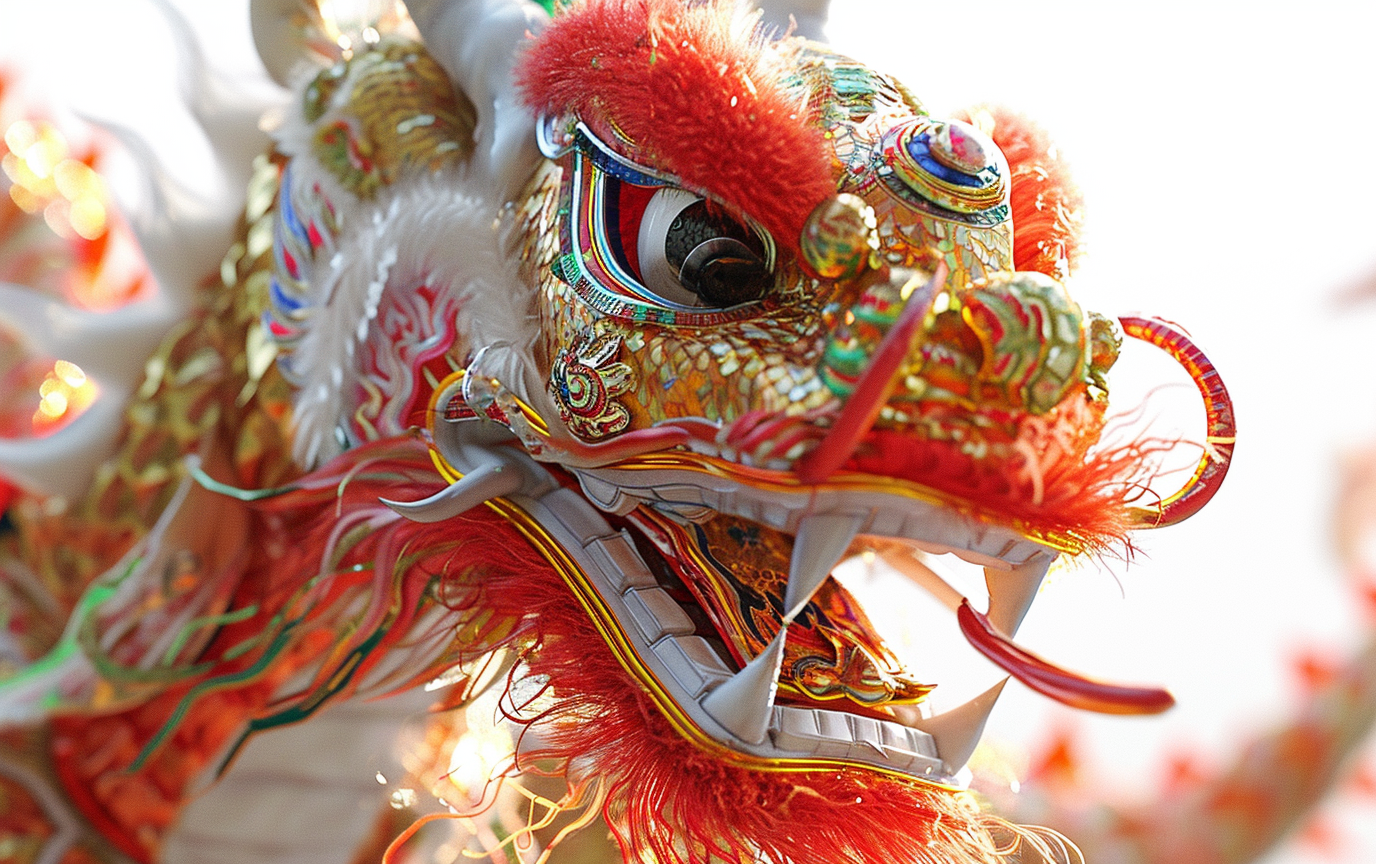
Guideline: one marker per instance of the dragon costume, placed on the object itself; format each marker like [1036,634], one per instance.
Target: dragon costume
[566,359]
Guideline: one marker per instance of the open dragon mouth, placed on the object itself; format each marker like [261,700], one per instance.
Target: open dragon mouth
[682,622]
[744,378]
[755,312]
[712,641]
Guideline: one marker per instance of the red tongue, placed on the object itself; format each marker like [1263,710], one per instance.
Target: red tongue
[1053,682]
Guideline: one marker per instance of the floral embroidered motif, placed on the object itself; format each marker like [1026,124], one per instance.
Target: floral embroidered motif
[587,379]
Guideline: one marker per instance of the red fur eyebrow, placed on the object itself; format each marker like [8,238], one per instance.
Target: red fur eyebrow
[697,92]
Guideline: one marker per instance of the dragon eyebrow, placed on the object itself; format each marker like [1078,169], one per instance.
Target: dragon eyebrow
[694,90]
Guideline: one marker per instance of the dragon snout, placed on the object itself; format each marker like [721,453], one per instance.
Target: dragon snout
[916,350]
[1015,341]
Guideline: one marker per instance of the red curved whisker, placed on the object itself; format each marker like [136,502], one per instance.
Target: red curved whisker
[1068,688]
[1218,407]
[873,389]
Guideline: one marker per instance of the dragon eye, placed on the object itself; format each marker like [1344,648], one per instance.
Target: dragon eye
[692,254]
[636,246]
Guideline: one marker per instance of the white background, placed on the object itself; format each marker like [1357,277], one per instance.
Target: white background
[1225,154]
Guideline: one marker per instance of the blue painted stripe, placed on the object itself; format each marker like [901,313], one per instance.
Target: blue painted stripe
[282,300]
[287,209]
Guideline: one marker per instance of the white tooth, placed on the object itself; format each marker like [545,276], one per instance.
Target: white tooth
[957,732]
[1011,592]
[820,543]
[483,484]
[745,703]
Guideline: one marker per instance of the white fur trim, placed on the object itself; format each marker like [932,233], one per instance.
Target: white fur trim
[437,230]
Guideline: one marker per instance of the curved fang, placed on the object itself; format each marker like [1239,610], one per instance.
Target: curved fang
[480,485]
[1218,407]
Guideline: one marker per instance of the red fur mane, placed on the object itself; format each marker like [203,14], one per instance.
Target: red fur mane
[695,89]
[664,798]
[1046,202]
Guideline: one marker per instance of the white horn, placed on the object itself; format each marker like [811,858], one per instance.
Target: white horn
[183,233]
[808,18]
[224,110]
[279,34]
[478,42]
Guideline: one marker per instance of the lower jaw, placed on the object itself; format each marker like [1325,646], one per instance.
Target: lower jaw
[656,643]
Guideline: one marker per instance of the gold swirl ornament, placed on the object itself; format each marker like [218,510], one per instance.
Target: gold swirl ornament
[1032,339]
[841,238]
[587,381]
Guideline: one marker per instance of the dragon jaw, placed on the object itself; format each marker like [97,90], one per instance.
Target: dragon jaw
[727,704]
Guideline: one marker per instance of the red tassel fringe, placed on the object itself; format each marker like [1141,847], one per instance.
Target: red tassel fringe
[665,799]
[1074,487]
[668,801]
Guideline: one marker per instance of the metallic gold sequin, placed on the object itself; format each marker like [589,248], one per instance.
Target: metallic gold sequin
[387,110]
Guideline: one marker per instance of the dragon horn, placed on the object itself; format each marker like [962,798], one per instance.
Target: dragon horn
[282,33]
[478,42]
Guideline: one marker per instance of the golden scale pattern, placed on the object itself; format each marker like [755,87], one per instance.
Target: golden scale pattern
[400,114]
[767,361]
[211,389]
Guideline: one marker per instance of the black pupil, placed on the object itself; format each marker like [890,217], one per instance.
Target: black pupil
[718,259]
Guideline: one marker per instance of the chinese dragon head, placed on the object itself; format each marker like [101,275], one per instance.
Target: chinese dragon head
[601,365]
